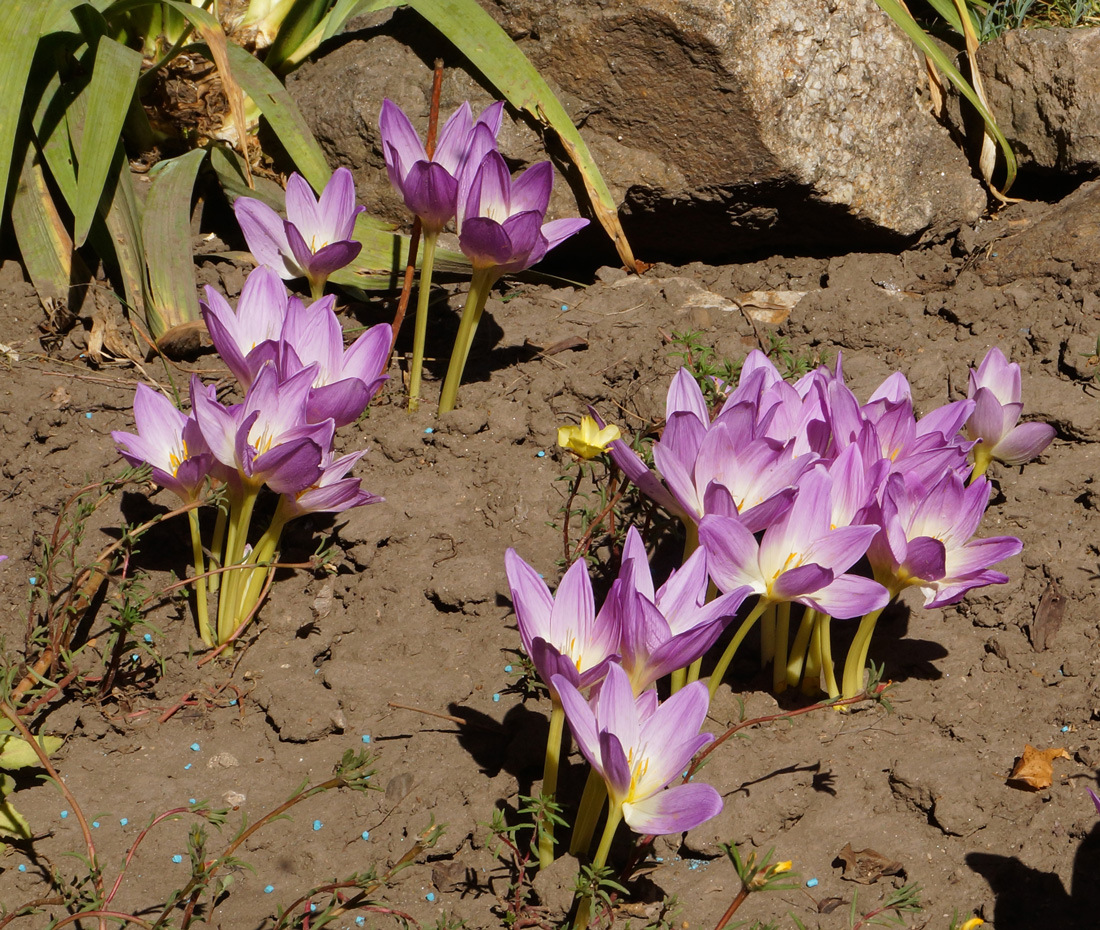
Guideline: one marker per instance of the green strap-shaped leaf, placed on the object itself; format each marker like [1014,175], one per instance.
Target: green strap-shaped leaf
[122,218]
[112,86]
[300,20]
[166,234]
[281,112]
[381,263]
[44,242]
[20,26]
[901,15]
[478,36]
[334,21]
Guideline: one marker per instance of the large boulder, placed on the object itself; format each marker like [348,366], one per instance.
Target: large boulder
[721,127]
[1044,88]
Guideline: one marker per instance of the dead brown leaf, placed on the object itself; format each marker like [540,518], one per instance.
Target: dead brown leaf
[770,306]
[1033,771]
[1048,618]
[867,866]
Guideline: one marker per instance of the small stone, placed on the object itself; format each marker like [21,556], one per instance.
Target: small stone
[222,760]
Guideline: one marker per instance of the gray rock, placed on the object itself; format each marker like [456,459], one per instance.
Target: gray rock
[719,127]
[1044,88]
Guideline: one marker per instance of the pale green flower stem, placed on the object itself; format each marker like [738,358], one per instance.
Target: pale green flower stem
[262,553]
[782,637]
[682,676]
[724,663]
[796,662]
[983,458]
[229,601]
[550,778]
[614,816]
[480,285]
[420,331]
[217,544]
[856,661]
[200,579]
[824,639]
[767,636]
[588,814]
[317,288]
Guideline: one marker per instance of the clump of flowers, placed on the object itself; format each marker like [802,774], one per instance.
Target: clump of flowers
[299,385]
[788,486]
[500,221]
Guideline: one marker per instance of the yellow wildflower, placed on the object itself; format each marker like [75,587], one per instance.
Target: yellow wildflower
[587,440]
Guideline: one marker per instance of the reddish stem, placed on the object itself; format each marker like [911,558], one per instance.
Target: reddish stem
[414,239]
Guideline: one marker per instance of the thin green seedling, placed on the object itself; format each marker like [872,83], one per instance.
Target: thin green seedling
[755,875]
[890,913]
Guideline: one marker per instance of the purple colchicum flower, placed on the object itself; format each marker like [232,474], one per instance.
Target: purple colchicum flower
[245,338]
[995,389]
[802,557]
[169,441]
[668,629]
[927,539]
[500,222]
[562,633]
[430,186]
[346,380]
[267,439]
[315,238]
[639,748]
[333,492]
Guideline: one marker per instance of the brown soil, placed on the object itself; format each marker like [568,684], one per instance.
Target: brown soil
[416,621]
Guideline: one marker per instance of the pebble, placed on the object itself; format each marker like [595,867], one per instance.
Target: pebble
[123,821]
[148,637]
[177,858]
[540,454]
[360,920]
[429,430]
[366,737]
[195,747]
[811,882]
[507,670]
[430,896]
[365,834]
[88,415]
[95,823]
[64,814]
[268,889]
[22,867]
[317,825]
[496,698]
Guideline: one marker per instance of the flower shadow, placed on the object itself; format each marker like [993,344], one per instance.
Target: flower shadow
[1026,898]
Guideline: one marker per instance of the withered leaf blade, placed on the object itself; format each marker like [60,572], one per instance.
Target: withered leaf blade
[866,866]
[1033,771]
[562,345]
[1048,618]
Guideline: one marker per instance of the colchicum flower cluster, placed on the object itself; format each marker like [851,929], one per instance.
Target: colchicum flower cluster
[500,222]
[789,486]
[298,384]
[792,495]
